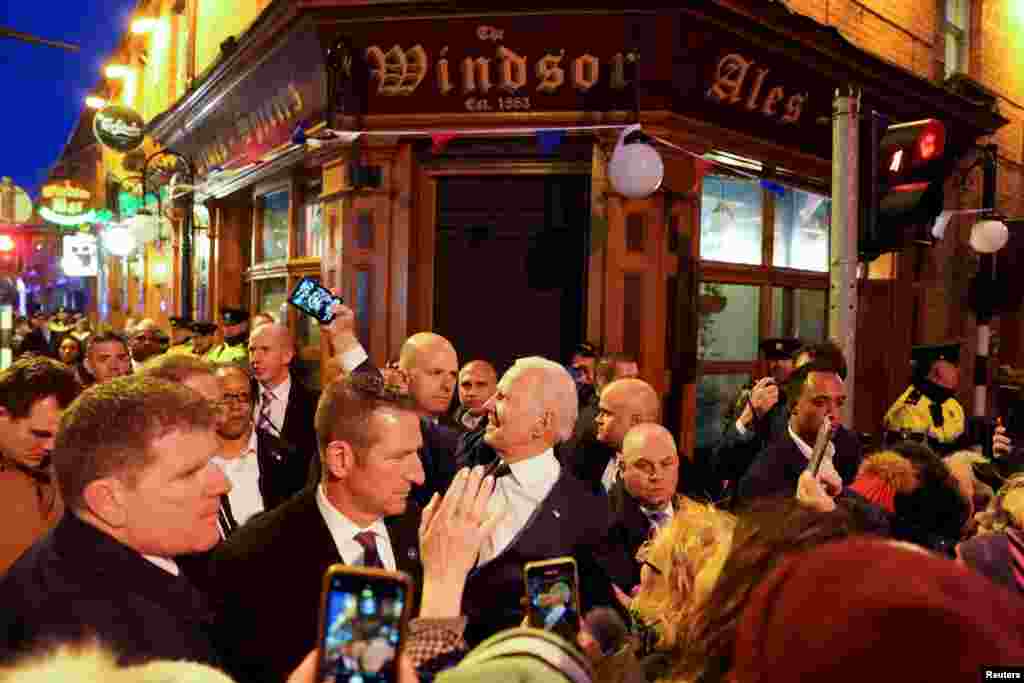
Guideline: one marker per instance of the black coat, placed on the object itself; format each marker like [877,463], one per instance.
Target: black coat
[572,521]
[78,581]
[630,528]
[298,433]
[35,342]
[777,469]
[266,580]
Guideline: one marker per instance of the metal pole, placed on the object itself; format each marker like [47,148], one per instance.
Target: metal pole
[186,244]
[842,313]
[986,266]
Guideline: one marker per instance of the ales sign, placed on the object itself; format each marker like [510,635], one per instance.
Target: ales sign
[119,128]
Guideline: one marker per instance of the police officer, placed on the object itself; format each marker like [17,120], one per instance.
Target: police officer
[235,348]
[181,335]
[928,410]
[756,399]
[204,339]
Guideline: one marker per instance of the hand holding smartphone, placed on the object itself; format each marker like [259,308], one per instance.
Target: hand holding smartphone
[363,617]
[314,300]
[820,446]
[552,592]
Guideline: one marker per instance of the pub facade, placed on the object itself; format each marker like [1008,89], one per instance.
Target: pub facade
[447,169]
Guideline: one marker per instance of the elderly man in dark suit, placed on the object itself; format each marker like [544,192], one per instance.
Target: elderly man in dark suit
[266,577]
[815,393]
[132,459]
[547,511]
[284,407]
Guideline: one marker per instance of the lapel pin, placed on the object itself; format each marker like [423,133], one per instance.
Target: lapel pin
[557,514]
[412,553]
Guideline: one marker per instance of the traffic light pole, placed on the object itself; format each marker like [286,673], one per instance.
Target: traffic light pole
[842,313]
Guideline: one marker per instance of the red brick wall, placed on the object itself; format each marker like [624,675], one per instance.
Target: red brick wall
[909,33]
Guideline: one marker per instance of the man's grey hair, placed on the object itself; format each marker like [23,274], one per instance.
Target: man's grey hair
[556,392]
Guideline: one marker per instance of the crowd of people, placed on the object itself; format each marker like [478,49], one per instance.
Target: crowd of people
[177,498]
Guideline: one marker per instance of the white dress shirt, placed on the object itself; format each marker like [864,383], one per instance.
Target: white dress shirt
[827,470]
[668,510]
[244,474]
[165,563]
[353,358]
[519,494]
[611,473]
[343,531]
[278,407]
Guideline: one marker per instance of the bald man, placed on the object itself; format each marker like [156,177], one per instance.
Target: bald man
[643,500]
[477,383]
[284,408]
[623,404]
[430,365]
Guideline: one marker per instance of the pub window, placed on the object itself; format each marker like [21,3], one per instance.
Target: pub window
[956,27]
[309,243]
[731,220]
[273,227]
[803,223]
[271,297]
[764,271]
[201,276]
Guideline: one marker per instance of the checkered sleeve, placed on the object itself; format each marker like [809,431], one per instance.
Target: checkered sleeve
[432,640]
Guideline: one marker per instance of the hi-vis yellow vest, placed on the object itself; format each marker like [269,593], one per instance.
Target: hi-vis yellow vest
[912,412]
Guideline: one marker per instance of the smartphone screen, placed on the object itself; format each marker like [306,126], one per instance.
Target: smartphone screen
[554,603]
[362,629]
[313,300]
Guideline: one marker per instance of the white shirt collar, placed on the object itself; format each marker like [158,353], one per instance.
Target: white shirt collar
[667,509]
[808,451]
[343,529]
[537,472]
[281,391]
[165,563]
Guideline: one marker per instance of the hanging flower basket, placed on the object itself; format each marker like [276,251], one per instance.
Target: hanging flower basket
[709,304]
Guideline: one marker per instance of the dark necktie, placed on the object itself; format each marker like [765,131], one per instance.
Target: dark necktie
[265,423]
[370,556]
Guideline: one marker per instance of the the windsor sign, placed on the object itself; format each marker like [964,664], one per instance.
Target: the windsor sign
[592,63]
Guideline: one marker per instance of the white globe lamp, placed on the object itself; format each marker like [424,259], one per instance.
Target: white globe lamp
[118,240]
[636,169]
[988,237]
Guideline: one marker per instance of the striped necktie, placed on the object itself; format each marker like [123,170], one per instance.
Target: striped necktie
[265,423]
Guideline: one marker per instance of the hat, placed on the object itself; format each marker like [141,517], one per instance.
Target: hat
[779,348]
[180,321]
[854,610]
[233,316]
[39,313]
[524,655]
[884,475]
[204,327]
[923,357]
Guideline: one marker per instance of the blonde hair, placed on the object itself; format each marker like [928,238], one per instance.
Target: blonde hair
[1006,510]
[689,554]
[87,662]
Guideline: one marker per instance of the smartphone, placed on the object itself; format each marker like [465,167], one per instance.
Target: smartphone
[314,300]
[363,616]
[820,446]
[553,596]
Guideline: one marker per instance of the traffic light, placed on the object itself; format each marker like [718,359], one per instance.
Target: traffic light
[901,187]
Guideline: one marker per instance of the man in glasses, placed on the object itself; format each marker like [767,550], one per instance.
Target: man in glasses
[263,473]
